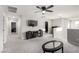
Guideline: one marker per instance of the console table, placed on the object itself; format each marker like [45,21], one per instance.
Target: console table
[33,34]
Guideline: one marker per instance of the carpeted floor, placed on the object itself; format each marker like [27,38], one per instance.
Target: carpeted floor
[35,45]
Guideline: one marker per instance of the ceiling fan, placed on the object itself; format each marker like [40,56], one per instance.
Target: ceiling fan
[45,8]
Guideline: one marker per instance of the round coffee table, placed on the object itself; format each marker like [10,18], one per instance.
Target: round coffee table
[52,46]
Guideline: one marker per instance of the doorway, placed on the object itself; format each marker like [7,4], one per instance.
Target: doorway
[46,26]
[14,28]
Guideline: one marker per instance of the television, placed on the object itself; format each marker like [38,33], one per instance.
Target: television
[32,23]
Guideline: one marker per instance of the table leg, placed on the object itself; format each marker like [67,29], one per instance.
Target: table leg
[43,51]
[53,44]
[62,50]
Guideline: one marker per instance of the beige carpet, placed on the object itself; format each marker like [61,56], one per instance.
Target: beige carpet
[35,45]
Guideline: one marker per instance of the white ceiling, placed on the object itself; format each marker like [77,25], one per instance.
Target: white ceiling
[59,11]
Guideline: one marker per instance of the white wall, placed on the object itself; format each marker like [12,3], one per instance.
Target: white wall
[61,31]
[25,27]
[1,29]
[28,12]
[8,19]
[5,29]
[74,24]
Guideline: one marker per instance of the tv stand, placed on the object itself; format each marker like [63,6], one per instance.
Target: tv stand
[34,34]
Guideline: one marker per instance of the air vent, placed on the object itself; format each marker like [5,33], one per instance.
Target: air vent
[12,9]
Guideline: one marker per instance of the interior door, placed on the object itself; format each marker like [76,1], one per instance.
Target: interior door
[1,33]
[46,27]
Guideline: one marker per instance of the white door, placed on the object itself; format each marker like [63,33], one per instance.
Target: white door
[1,33]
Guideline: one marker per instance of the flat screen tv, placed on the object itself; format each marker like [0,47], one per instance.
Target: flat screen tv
[32,23]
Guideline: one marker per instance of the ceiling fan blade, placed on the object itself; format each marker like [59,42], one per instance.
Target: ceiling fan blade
[49,10]
[50,6]
[38,7]
[37,11]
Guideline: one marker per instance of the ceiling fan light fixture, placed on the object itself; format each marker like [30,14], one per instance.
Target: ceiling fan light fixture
[45,9]
[43,12]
